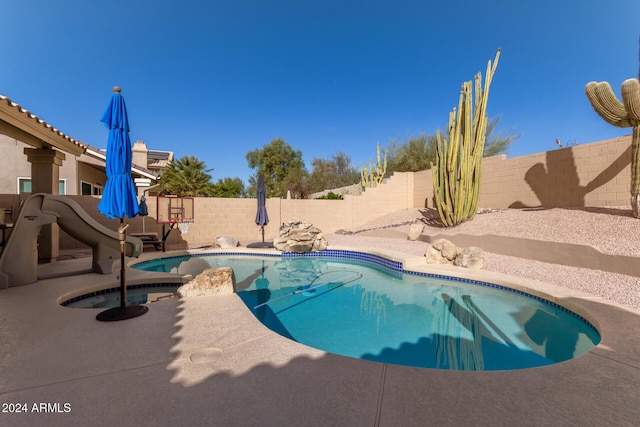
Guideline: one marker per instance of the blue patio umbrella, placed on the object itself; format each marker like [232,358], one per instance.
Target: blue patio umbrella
[119,195]
[143,208]
[262,218]
[119,198]
[143,211]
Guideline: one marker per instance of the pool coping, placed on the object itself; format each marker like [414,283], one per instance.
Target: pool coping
[217,356]
[554,294]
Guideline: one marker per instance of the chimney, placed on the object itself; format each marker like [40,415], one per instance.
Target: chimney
[140,154]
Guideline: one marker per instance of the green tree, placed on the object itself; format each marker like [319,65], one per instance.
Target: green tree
[281,166]
[412,156]
[496,141]
[419,152]
[331,173]
[229,187]
[186,177]
[331,196]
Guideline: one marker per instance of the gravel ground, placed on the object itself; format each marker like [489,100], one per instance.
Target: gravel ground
[610,230]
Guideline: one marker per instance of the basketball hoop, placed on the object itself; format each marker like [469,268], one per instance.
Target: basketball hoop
[174,210]
[183,225]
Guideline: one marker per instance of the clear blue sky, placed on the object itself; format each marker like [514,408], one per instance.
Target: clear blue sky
[217,78]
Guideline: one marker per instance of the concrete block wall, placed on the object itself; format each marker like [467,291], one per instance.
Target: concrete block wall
[423,189]
[596,174]
[590,175]
[396,193]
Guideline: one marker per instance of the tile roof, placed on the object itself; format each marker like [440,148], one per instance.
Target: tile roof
[157,159]
[26,116]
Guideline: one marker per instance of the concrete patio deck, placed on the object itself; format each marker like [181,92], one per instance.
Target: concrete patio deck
[208,362]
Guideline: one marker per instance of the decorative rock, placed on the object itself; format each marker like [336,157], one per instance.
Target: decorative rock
[212,281]
[279,243]
[442,251]
[446,248]
[300,237]
[434,256]
[320,243]
[415,231]
[471,257]
[226,242]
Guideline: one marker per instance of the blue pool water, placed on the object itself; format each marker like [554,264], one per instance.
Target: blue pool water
[362,306]
[108,298]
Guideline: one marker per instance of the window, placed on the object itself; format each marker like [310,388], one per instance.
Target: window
[25,187]
[86,189]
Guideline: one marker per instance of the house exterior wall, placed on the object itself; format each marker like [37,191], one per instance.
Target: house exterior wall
[14,164]
[91,175]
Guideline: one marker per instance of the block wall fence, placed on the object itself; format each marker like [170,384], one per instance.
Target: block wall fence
[590,175]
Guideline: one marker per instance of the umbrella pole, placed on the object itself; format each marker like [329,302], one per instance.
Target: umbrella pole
[122,235]
[123,312]
[262,233]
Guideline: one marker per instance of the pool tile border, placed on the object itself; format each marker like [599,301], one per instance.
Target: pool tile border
[396,266]
[117,289]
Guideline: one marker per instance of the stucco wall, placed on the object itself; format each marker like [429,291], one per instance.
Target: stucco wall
[13,163]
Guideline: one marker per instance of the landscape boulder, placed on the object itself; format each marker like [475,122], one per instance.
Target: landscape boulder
[471,257]
[226,242]
[300,237]
[415,230]
[447,249]
[212,281]
[443,251]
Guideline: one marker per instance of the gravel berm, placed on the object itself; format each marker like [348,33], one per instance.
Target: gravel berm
[610,230]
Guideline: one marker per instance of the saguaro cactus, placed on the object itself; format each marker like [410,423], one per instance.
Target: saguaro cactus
[372,175]
[456,177]
[622,114]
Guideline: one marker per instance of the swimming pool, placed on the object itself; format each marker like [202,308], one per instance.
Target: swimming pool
[364,306]
[110,297]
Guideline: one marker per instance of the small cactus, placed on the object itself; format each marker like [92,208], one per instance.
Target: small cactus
[622,114]
[372,175]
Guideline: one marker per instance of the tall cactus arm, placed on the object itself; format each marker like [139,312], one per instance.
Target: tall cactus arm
[622,114]
[631,98]
[607,105]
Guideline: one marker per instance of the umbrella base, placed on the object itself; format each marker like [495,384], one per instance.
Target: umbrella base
[122,313]
[260,245]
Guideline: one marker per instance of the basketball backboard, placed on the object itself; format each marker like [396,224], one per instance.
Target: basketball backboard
[174,209]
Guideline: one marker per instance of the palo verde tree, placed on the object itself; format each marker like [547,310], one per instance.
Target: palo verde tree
[415,155]
[281,166]
[419,152]
[186,177]
[335,172]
